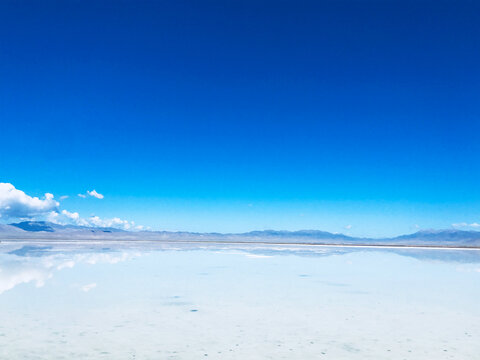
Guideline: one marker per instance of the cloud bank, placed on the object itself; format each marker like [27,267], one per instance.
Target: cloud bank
[15,203]
[66,217]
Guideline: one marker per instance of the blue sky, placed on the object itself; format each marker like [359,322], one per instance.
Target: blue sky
[351,116]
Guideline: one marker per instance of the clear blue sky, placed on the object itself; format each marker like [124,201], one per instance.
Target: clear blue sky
[241,115]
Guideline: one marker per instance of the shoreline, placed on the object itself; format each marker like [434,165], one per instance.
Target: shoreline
[213,242]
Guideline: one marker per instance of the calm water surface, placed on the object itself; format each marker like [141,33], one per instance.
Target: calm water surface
[146,301]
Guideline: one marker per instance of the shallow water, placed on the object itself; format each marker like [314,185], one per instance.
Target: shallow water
[150,301]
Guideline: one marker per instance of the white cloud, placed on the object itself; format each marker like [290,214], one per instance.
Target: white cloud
[63,197]
[94,193]
[66,217]
[52,216]
[466,225]
[348,227]
[15,203]
[72,216]
[114,222]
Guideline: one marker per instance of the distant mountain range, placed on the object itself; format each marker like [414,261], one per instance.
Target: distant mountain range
[30,230]
[36,226]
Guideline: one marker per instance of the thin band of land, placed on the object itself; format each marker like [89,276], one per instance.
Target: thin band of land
[45,232]
[242,243]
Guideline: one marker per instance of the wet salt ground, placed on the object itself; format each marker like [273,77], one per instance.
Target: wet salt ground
[255,303]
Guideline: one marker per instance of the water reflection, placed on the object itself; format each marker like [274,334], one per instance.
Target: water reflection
[37,264]
[171,301]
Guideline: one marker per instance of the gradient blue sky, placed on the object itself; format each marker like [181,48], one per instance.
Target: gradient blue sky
[241,115]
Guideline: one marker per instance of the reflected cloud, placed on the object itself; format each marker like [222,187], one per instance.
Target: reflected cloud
[66,265]
[256,256]
[106,258]
[88,287]
[468,268]
[13,274]
[31,264]
[37,264]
